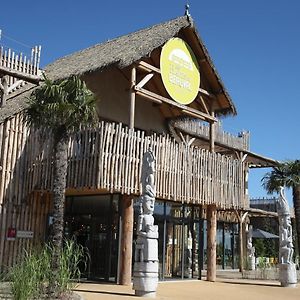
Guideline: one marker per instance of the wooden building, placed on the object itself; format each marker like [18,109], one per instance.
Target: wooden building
[201,171]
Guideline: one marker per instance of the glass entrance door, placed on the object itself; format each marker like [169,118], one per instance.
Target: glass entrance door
[93,222]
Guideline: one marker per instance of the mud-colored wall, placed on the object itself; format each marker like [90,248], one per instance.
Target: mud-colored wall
[112,90]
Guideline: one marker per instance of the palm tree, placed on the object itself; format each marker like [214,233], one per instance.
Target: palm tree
[60,108]
[286,174]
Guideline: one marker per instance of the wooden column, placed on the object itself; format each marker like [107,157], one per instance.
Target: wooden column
[212,126]
[132,98]
[127,207]
[241,217]
[126,240]
[211,216]
[241,248]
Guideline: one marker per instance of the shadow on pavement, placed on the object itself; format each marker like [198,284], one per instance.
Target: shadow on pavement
[105,292]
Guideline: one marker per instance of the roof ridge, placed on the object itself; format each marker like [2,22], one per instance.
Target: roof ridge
[145,29]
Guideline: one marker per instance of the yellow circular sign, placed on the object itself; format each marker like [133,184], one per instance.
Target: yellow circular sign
[180,71]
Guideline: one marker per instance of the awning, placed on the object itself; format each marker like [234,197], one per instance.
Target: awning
[261,234]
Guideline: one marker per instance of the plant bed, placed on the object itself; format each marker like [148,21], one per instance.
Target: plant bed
[34,278]
[5,293]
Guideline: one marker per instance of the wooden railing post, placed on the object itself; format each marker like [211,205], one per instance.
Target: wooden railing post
[126,240]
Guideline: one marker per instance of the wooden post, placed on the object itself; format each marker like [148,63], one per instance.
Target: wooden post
[126,240]
[242,219]
[211,216]
[241,249]
[127,208]
[3,90]
[132,98]
[212,126]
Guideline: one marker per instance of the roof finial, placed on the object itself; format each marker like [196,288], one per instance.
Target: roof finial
[187,13]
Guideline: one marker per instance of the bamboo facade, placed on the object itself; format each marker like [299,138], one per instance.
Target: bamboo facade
[109,157]
[29,216]
[200,130]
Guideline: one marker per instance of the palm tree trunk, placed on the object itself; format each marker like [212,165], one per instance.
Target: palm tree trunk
[59,186]
[296,200]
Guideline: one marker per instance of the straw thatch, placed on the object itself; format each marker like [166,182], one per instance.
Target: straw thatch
[121,52]
[16,102]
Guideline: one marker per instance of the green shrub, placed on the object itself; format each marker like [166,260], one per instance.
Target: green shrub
[262,264]
[30,278]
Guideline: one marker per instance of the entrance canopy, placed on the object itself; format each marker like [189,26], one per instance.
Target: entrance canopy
[261,234]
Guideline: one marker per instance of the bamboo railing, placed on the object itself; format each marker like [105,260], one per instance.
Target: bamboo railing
[109,157]
[199,129]
[20,62]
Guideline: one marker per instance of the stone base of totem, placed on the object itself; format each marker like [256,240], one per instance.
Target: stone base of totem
[251,263]
[145,278]
[287,275]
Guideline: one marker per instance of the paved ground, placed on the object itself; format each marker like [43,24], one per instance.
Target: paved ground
[223,289]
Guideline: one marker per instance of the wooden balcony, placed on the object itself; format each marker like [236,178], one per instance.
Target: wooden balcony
[223,139]
[109,158]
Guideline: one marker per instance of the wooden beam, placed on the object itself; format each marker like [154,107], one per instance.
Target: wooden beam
[27,77]
[4,90]
[184,108]
[15,85]
[149,68]
[132,98]
[204,104]
[145,80]
[206,93]
[212,134]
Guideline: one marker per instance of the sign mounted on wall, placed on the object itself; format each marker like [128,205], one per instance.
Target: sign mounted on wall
[180,71]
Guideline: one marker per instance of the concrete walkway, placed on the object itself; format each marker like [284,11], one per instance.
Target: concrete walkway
[223,289]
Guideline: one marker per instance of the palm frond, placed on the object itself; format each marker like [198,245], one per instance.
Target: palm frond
[66,103]
[286,174]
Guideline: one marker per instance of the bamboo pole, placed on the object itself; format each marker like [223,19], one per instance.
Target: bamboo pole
[132,98]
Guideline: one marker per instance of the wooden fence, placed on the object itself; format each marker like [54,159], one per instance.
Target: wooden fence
[20,62]
[29,216]
[197,128]
[109,157]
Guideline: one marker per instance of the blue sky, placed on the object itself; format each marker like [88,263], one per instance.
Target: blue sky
[254,45]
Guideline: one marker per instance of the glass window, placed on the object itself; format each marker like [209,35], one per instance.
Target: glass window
[220,246]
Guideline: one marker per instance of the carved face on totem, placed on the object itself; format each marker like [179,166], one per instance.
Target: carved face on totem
[148,204]
[286,221]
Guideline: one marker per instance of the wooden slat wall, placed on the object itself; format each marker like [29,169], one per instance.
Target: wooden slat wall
[200,129]
[28,216]
[109,157]
[106,157]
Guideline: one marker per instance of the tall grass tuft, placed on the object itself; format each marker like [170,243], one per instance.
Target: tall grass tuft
[30,278]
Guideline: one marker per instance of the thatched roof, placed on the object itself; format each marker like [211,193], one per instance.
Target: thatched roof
[16,102]
[121,53]
[125,50]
